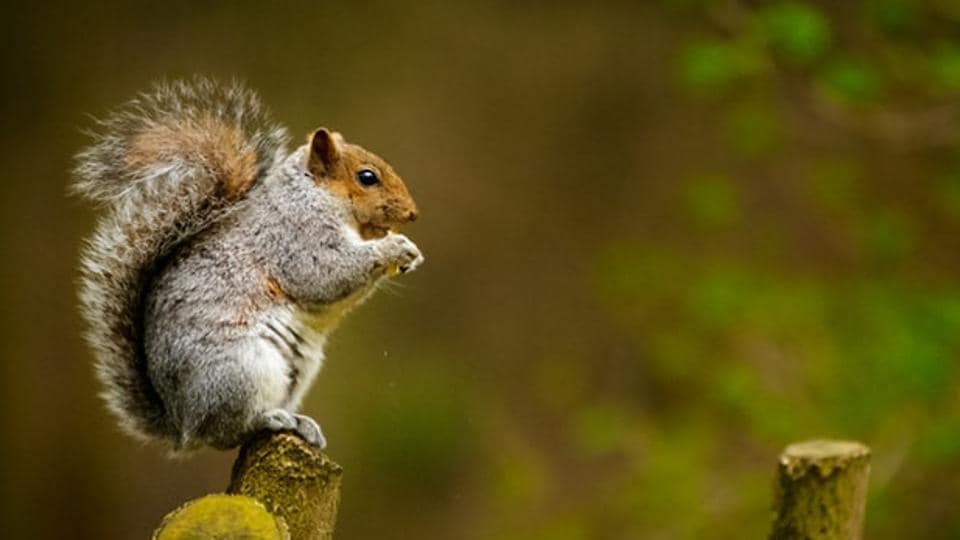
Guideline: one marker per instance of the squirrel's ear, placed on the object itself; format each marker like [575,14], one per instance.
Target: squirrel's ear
[325,150]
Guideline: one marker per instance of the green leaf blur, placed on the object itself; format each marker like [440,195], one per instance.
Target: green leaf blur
[797,30]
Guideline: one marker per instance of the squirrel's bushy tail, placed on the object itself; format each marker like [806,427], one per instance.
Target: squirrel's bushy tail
[166,166]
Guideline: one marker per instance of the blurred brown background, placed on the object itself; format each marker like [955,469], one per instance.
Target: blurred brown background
[663,240]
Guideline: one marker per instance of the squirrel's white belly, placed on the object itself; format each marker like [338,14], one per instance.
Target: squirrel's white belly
[287,355]
[288,349]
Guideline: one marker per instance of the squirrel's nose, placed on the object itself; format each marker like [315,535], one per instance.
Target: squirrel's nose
[412,215]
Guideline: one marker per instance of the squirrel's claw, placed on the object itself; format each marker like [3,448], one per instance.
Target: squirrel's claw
[400,253]
[278,420]
[412,265]
[301,424]
[310,431]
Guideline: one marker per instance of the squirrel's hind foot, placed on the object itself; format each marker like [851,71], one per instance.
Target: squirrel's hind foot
[301,424]
[309,429]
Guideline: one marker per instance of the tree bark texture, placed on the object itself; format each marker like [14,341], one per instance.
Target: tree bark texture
[293,479]
[281,488]
[821,491]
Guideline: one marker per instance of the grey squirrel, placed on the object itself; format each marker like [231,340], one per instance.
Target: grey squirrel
[222,261]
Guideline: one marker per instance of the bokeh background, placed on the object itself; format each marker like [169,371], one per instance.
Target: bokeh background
[664,239]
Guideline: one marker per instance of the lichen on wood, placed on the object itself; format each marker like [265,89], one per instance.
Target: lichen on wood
[281,488]
[293,479]
[821,491]
[221,517]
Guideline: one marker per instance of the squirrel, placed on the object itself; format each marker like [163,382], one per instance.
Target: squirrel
[223,261]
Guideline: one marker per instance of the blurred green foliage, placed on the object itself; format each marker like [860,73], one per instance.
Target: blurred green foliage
[798,31]
[895,17]
[711,201]
[715,64]
[663,239]
[752,129]
[851,80]
[946,66]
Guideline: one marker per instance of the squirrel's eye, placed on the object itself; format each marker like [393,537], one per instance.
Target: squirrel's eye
[367,177]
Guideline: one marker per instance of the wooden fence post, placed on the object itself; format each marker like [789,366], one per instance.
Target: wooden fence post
[280,483]
[222,516]
[293,479]
[821,491]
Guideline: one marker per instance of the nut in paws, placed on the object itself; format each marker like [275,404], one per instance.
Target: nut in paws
[401,253]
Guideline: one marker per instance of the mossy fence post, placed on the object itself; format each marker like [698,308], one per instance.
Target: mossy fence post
[281,488]
[821,491]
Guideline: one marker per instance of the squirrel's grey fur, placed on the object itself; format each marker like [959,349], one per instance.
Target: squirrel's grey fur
[191,345]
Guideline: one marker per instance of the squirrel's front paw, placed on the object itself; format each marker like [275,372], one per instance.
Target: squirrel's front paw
[400,254]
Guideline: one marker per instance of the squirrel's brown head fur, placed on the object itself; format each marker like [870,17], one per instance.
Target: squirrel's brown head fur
[377,195]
